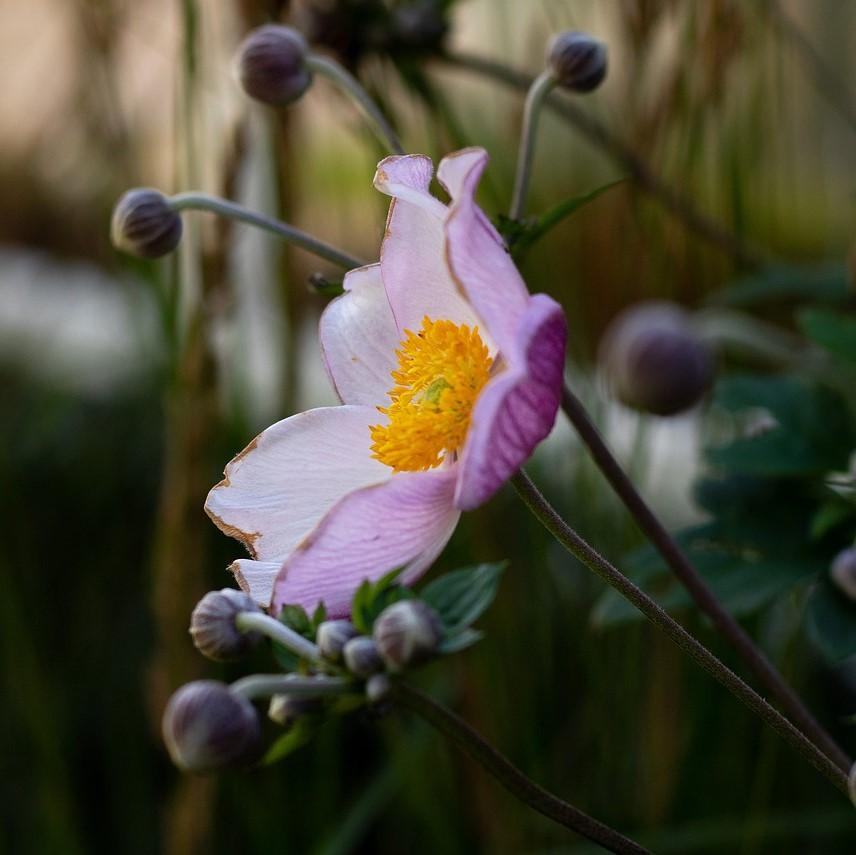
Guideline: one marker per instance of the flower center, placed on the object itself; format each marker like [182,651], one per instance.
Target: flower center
[441,370]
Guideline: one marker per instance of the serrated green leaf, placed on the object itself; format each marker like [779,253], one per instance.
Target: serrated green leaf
[296,737]
[832,331]
[460,640]
[460,597]
[831,621]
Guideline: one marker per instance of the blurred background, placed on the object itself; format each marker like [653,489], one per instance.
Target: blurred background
[128,385]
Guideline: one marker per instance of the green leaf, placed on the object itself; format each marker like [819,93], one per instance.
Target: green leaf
[372,598]
[460,640]
[319,616]
[834,332]
[829,516]
[295,618]
[828,283]
[831,620]
[460,597]
[295,737]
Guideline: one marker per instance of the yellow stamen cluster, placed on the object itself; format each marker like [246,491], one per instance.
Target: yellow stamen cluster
[441,370]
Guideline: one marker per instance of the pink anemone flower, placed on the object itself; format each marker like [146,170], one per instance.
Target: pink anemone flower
[450,374]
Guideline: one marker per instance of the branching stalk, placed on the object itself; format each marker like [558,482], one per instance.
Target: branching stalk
[267,685]
[279,632]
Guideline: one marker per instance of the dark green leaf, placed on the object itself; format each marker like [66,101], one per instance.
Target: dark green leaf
[835,332]
[460,640]
[297,736]
[295,618]
[831,619]
[461,596]
[829,516]
[319,616]
[372,598]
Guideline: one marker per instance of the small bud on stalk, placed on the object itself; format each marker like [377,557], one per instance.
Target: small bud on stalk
[207,727]
[654,360]
[332,637]
[212,625]
[407,633]
[144,224]
[362,657]
[271,65]
[285,709]
[843,572]
[577,60]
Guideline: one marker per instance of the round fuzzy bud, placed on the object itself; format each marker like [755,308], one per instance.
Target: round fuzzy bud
[407,633]
[144,225]
[418,25]
[654,360]
[332,636]
[285,709]
[843,572]
[577,60]
[271,65]
[212,625]
[378,687]
[207,727]
[362,657]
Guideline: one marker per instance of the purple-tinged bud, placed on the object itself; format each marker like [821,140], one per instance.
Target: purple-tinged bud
[654,360]
[418,25]
[144,225]
[378,687]
[577,60]
[407,633]
[843,572]
[271,65]
[212,625]
[206,727]
[286,709]
[361,656]
[332,636]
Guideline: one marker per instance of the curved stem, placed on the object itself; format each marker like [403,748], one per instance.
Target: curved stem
[279,632]
[226,208]
[646,179]
[471,741]
[541,87]
[705,599]
[353,89]
[266,685]
[578,547]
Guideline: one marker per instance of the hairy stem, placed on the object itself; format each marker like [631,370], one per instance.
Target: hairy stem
[226,208]
[279,632]
[266,685]
[496,764]
[579,548]
[705,599]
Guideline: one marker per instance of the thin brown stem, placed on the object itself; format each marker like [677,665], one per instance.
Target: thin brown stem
[639,171]
[705,599]
[585,553]
[496,764]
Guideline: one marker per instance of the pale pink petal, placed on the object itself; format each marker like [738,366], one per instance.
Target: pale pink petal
[477,259]
[413,254]
[256,578]
[359,339]
[405,522]
[517,408]
[278,488]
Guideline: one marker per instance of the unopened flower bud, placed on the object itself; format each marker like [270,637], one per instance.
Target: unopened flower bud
[407,633]
[207,727]
[286,709]
[418,25]
[378,687]
[843,572]
[361,656]
[144,225]
[654,360]
[212,625]
[271,65]
[577,60]
[332,636]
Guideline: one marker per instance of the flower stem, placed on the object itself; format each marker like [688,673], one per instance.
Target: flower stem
[204,202]
[279,632]
[539,799]
[266,685]
[705,599]
[541,87]
[353,89]
[579,548]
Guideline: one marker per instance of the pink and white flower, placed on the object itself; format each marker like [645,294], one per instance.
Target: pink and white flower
[449,373]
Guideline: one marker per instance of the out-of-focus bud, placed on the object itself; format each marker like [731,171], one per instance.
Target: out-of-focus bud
[207,727]
[654,360]
[144,225]
[577,60]
[212,625]
[378,687]
[271,65]
[285,709]
[843,572]
[361,656]
[418,25]
[407,633]
[332,636]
